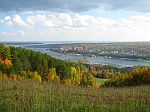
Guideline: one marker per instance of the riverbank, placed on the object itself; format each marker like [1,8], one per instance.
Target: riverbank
[117,62]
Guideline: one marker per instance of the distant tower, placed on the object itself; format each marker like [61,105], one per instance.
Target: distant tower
[86,48]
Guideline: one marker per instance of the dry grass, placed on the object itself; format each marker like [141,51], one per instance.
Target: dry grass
[27,96]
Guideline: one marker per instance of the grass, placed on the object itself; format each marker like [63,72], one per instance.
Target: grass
[100,81]
[27,96]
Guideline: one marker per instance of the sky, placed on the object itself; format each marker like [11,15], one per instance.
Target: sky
[74,20]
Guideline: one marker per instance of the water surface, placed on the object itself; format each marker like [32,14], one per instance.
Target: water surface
[92,60]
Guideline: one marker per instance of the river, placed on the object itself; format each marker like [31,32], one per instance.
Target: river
[92,60]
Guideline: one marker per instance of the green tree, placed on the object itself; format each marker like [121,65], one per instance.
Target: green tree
[5,52]
[91,80]
[18,67]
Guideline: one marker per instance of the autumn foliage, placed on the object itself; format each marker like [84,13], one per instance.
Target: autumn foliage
[139,76]
[91,80]
[22,64]
[35,76]
[84,80]
[52,76]
[8,62]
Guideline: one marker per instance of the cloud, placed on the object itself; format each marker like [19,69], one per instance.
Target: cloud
[54,20]
[64,20]
[73,5]
[63,26]
[15,21]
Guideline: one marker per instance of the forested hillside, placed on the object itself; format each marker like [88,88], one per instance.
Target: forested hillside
[35,82]
[138,76]
[20,63]
[24,64]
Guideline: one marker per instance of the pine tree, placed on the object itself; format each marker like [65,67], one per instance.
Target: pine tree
[5,52]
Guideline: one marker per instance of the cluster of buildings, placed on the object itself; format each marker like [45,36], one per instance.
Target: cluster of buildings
[74,48]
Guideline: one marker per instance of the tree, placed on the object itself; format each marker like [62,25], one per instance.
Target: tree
[14,77]
[44,68]
[1,75]
[8,63]
[3,68]
[75,76]
[91,80]
[5,52]
[52,76]
[84,80]
[18,67]
[36,77]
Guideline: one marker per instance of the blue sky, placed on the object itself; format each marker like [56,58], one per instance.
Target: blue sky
[76,20]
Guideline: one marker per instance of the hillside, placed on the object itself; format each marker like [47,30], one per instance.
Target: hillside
[24,64]
[34,82]
[139,76]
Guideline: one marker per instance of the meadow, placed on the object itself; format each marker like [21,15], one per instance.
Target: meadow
[100,81]
[32,96]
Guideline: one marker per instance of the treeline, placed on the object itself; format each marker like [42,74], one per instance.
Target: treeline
[107,71]
[139,76]
[20,64]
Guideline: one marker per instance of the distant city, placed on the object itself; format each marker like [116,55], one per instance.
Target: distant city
[131,50]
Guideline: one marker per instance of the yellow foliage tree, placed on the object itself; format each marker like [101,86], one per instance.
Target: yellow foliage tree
[5,77]
[75,76]
[13,77]
[52,76]
[35,76]
[84,70]
[20,78]
[66,81]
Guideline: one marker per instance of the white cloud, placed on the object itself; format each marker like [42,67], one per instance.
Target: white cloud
[15,20]
[63,26]
[39,19]
[31,20]
[84,21]
[7,20]
[64,19]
